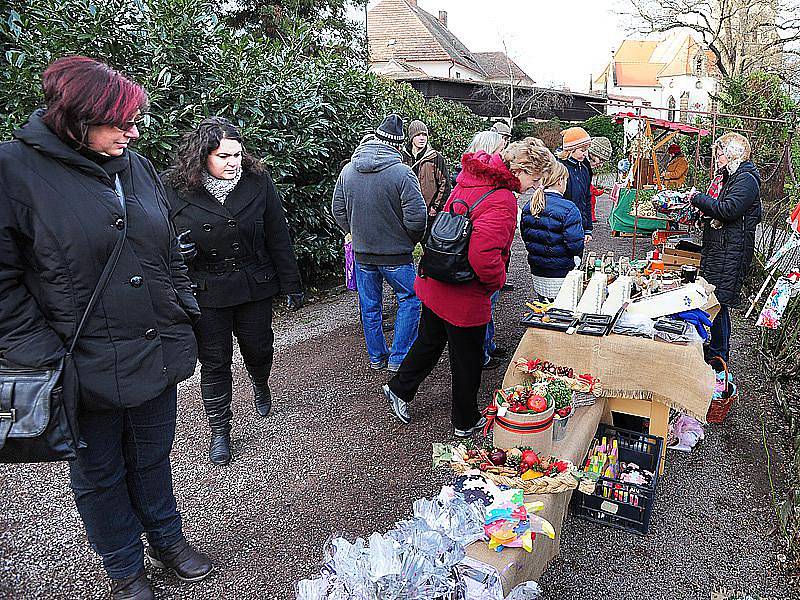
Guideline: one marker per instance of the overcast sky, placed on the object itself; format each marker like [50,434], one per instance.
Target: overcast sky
[557,42]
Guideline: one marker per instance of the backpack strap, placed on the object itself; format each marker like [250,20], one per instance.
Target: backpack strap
[481,199]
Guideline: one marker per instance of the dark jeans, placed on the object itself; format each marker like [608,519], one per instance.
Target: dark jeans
[720,343]
[251,323]
[466,364]
[122,482]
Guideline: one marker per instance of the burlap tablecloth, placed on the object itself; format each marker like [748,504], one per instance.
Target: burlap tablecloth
[628,367]
[514,564]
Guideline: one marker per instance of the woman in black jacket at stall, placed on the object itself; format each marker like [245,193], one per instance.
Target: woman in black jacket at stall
[729,233]
[69,188]
[236,243]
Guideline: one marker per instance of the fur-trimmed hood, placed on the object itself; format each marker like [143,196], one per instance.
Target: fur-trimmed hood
[482,169]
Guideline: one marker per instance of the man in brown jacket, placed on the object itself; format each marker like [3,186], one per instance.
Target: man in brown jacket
[675,176]
[429,166]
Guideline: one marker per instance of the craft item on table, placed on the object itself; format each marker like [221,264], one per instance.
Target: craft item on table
[619,292]
[634,325]
[595,294]
[677,205]
[778,300]
[521,416]
[594,324]
[684,433]
[510,522]
[580,399]
[643,208]
[481,581]
[520,468]
[453,515]
[476,488]
[554,319]
[697,318]
[529,590]
[544,370]
[692,295]
[571,290]
[563,398]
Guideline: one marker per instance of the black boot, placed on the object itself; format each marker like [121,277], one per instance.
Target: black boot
[217,402]
[187,563]
[136,587]
[261,392]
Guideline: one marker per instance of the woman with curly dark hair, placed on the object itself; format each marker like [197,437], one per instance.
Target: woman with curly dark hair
[235,241]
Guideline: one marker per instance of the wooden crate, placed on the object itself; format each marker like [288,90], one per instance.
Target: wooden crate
[675,259]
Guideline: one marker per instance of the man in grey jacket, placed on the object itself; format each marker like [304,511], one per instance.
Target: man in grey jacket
[378,201]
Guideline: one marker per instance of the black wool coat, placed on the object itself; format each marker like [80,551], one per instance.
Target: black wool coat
[60,218]
[728,252]
[244,252]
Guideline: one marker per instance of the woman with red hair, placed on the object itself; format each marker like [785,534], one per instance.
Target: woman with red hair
[70,189]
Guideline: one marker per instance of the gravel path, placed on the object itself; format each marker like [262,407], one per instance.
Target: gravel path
[332,460]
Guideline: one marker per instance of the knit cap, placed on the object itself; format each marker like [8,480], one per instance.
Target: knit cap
[415,128]
[674,149]
[574,137]
[391,130]
[601,148]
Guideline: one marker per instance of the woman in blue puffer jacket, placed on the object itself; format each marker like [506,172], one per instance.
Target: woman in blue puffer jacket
[552,230]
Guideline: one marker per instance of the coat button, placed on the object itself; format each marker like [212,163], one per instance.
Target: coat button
[231,223]
[137,281]
[213,252]
[150,334]
[236,246]
[119,224]
[207,227]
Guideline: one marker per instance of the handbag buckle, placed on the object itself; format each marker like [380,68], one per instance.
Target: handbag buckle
[9,415]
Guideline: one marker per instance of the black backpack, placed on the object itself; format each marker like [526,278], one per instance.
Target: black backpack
[445,249]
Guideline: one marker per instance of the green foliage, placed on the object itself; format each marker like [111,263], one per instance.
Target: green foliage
[547,131]
[302,114]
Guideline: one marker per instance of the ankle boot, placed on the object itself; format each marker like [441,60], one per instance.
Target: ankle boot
[261,392]
[187,563]
[136,587]
[217,402]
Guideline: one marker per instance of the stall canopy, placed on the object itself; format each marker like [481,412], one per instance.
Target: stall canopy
[664,124]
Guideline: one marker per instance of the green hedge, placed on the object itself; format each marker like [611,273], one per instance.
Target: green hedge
[302,115]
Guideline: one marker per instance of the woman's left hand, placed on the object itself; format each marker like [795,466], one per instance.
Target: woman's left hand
[295,302]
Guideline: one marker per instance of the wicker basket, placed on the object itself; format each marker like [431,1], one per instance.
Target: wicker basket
[721,402]
[563,482]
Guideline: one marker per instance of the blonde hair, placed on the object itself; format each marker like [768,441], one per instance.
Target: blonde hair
[556,175]
[488,141]
[734,146]
[529,155]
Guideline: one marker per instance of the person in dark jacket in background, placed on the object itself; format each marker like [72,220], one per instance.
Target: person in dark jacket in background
[429,166]
[573,155]
[69,187]
[237,246]
[729,233]
[377,200]
[552,231]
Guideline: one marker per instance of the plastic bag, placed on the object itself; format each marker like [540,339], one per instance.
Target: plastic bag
[529,590]
[349,265]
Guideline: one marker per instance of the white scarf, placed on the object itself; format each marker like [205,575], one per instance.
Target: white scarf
[220,188]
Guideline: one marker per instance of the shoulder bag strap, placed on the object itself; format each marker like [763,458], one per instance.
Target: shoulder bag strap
[105,276]
[481,199]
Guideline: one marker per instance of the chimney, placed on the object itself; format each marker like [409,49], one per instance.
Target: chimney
[443,17]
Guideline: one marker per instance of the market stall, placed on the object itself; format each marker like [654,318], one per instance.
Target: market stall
[645,137]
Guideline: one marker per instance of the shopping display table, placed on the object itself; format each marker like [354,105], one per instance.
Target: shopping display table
[515,565]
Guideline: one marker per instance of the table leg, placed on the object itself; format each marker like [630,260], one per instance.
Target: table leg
[659,425]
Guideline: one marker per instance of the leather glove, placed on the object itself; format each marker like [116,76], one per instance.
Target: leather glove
[295,302]
[697,317]
[186,246]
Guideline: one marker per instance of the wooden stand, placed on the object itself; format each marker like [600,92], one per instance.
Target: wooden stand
[657,412]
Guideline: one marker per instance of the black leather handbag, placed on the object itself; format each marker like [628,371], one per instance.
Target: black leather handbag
[445,250]
[39,406]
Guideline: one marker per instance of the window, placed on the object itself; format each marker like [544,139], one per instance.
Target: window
[458,75]
[671,106]
[699,64]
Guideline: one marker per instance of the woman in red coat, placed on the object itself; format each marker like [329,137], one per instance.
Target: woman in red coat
[457,314]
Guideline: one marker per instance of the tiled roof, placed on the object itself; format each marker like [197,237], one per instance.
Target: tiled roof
[637,74]
[495,65]
[398,30]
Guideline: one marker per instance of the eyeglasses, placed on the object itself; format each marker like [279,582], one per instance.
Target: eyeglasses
[138,122]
